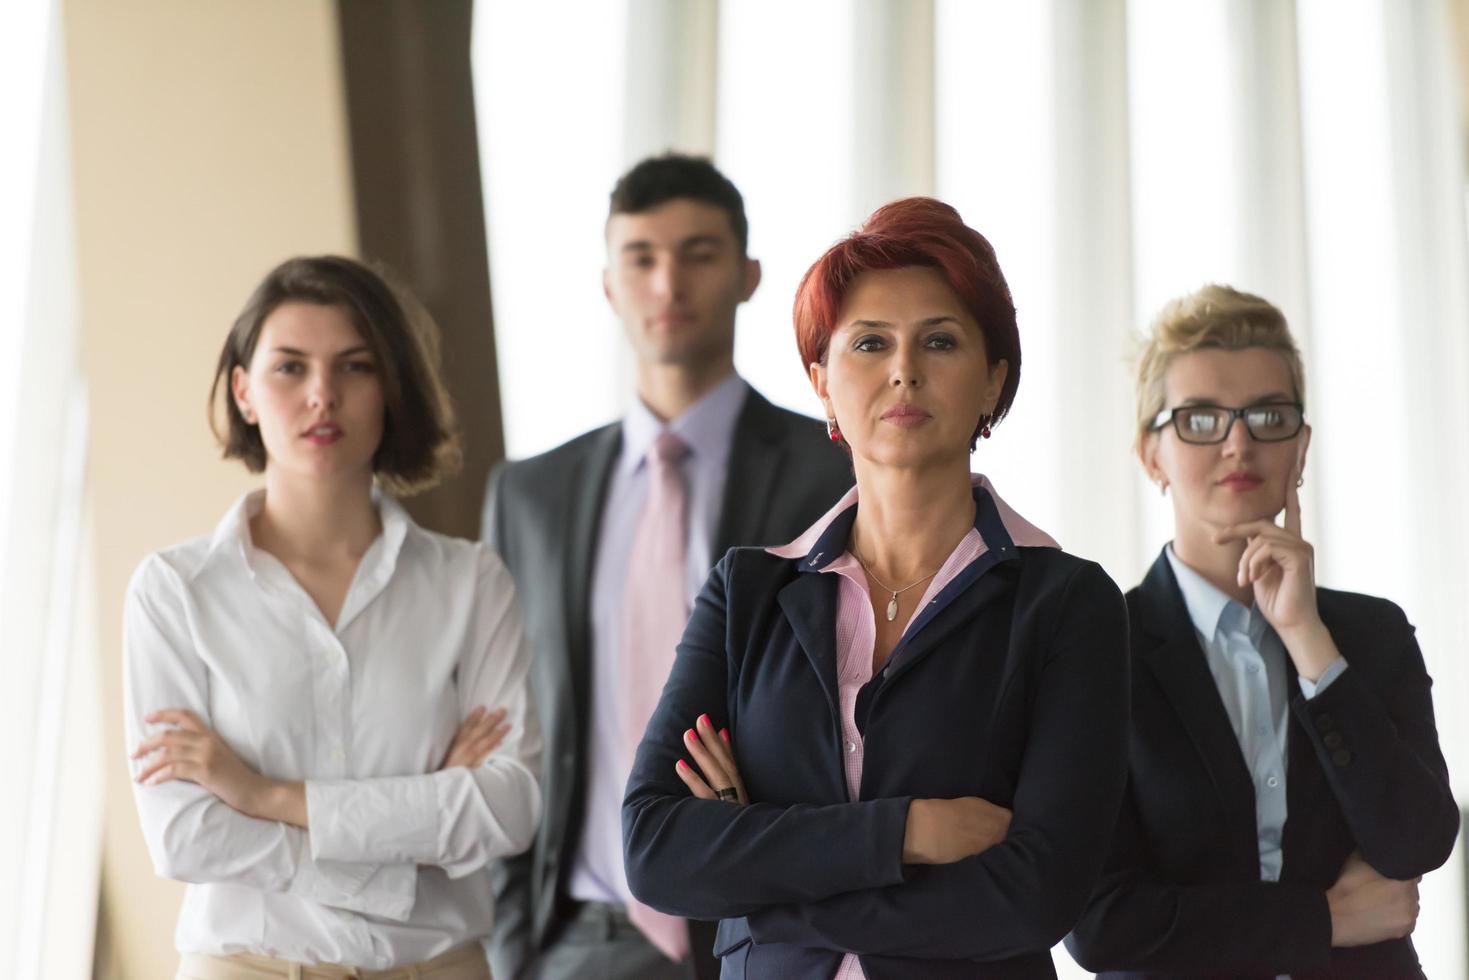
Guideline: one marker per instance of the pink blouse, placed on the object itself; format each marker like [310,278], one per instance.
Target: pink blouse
[856,628]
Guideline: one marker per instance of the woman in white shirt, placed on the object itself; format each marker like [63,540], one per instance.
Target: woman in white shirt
[326,704]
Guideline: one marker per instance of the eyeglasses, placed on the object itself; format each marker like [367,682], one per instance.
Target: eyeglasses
[1208,424]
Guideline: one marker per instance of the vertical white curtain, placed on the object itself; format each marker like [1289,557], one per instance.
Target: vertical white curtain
[550,85]
[1388,286]
[785,136]
[48,736]
[1117,153]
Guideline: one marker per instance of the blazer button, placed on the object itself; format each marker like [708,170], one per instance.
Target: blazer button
[1325,723]
[1332,740]
[1341,758]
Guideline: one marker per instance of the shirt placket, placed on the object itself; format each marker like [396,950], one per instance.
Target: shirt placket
[1259,728]
[854,670]
[333,687]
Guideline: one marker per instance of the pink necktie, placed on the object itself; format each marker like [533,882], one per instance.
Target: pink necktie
[654,615]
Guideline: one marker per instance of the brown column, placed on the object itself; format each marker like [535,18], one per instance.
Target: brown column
[416,176]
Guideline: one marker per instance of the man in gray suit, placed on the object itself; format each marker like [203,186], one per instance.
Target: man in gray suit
[609,538]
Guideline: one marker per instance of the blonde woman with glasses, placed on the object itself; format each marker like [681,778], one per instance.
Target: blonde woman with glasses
[1286,789]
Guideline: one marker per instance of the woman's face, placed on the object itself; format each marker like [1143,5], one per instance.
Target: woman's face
[313,389]
[1241,478]
[907,376]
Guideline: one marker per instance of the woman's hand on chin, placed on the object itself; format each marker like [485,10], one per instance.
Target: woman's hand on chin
[713,755]
[1280,565]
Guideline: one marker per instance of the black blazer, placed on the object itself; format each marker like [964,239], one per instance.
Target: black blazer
[1182,894]
[542,515]
[1011,686]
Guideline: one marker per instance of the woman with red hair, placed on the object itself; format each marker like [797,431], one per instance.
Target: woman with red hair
[928,697]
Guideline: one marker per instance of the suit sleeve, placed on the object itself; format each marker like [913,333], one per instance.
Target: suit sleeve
[510,877]
[1023,894]
[1378,746]
[706,859]
[1136,922]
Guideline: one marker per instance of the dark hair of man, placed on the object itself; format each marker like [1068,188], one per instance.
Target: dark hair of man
[420,441]
[673,176]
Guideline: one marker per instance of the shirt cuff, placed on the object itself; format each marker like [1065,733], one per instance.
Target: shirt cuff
[379,821]
[385,890]
[1312,688]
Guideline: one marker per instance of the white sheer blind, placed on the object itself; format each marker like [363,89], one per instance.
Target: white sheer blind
[48,749]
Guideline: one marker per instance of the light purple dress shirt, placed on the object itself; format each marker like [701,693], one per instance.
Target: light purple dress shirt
[707,427]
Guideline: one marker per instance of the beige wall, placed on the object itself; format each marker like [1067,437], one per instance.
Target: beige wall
[209,143]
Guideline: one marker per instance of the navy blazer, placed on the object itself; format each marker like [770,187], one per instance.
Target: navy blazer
[1011,686]
[1182,894]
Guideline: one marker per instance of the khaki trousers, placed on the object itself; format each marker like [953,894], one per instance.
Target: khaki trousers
[464,963]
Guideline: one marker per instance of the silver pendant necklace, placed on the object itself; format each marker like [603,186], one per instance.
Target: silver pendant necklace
[892,610]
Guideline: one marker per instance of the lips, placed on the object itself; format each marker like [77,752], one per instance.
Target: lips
[323,433]
[1241,481]
[906,415]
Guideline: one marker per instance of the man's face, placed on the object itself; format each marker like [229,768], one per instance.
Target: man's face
[674,277]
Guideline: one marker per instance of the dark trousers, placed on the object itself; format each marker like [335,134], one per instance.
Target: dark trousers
[601,943]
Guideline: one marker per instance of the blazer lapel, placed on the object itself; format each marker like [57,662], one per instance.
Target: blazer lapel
[810,605]
[755,456]
[583,523]
[994,583]
[1170,649]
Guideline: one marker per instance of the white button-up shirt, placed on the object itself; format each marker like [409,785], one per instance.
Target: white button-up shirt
[364,713]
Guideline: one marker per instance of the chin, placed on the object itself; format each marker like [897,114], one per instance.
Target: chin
[915,454]
[1242,511]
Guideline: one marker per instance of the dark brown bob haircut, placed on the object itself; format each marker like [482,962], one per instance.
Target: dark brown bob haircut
[420,443]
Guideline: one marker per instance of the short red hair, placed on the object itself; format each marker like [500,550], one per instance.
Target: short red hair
[916,231]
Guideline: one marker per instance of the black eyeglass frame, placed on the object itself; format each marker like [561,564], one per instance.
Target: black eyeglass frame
[1171,415]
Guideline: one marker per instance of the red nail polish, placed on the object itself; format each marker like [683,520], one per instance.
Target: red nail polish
[690,735]
[682,764]
[705,720]
[724,734]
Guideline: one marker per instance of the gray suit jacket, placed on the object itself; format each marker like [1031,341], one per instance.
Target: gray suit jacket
[542,515]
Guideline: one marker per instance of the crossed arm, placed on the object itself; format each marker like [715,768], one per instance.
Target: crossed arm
[840,876]
[207,816]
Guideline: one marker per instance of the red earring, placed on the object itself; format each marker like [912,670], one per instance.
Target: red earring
[832,432]
[984,432]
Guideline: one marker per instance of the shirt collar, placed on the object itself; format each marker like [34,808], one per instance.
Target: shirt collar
[707,426]
[1207,604]
[996,521]
[232,534]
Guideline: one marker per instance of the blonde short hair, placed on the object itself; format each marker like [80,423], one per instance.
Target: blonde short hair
[1212,318]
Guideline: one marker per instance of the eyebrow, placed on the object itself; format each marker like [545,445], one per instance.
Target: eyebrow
[1274,396]
[699,241]
[693,241]
[931,321]
[296,352]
